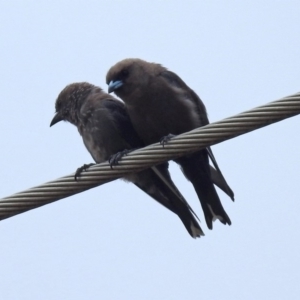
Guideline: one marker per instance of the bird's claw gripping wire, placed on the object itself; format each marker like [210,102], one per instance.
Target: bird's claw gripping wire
[81,169]
[115,158]
[165,139]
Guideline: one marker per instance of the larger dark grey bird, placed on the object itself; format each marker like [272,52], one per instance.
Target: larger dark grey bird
[160,104]
[106,129]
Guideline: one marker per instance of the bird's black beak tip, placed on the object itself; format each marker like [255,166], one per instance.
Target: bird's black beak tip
[57,118]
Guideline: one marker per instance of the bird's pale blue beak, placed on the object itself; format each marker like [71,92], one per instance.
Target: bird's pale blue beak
[113,85]
[57,118]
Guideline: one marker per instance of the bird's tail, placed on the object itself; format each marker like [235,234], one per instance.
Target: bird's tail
[161,188]
[196,169]
[217,177]
[190,223]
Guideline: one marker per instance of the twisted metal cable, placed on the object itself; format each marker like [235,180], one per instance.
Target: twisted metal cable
[138,160]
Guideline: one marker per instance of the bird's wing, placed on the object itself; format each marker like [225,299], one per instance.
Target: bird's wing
[122,122]
[217,176]
[216,173]
[174,80]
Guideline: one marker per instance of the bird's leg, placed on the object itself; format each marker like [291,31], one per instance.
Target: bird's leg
[81,169]
[164,140]
[115,158]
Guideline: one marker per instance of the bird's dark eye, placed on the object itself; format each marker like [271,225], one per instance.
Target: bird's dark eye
[125,73]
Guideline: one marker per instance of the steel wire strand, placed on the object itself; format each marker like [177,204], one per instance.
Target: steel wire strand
[138,160]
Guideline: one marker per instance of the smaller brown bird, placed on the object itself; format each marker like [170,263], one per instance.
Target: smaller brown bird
[160,104]
[106,129]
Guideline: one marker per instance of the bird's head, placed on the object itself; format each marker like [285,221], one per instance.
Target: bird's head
[129,76]
[69,102]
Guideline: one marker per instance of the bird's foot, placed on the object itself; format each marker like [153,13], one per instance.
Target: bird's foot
[81,169]
[165,139]
[115,158]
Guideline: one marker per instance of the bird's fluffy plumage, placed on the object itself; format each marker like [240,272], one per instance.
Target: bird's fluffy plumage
[106,129]
[160,103]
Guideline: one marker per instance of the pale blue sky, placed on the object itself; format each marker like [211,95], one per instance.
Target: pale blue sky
[114,242]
